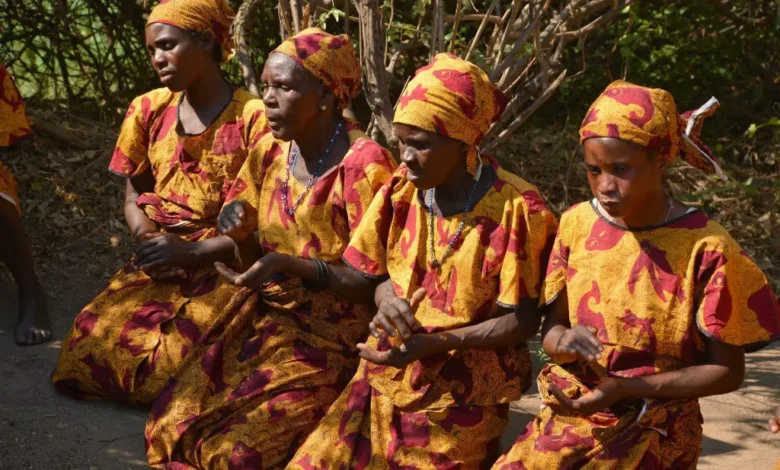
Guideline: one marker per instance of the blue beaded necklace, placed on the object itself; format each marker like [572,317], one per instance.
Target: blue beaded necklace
[436,263]
[312,179]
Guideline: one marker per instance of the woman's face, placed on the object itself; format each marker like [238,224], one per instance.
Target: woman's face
[292,97]
[623,176]
[177,57]
[431,158]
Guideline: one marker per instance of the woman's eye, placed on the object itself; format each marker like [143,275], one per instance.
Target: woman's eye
[620,169]
[593,170]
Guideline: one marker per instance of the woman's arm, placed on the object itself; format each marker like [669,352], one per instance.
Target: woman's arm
[342,280]
[396,316]
[722,372]
[138,222]
[563,343]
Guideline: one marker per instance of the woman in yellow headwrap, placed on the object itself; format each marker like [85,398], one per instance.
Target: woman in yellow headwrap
[461,245]
[33,325]
[653,304]
[180,150]
[284,347]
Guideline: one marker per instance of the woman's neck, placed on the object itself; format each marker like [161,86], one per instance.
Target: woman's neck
[657,210]
[315,143]
[209,91]
[454,192]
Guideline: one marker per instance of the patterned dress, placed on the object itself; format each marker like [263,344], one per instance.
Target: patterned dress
[653,295]
[276,358]
[14,127]
[447,410]
[129,339]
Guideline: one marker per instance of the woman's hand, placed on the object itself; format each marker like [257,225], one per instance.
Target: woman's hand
[166,251]
[238,220]
[774,423]
[606,394]
[258,273]
[578,342]
[415,347]
[396,315]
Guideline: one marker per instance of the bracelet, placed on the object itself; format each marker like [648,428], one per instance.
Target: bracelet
[323,273]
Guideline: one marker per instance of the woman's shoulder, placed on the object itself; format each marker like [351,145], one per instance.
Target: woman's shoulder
[513,188]
[156,99]
[364,151]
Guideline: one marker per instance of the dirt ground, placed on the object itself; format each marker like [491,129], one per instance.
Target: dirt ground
[42,430]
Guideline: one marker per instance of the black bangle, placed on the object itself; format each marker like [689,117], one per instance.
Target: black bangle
[323,273]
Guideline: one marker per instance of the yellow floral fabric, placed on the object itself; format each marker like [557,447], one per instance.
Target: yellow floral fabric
[211,16]
[453,98]
[275,359]
[648,117]
[131,337]
[653,295]
[447,410]
[331,59]
[365,430]
[193,173]
[14,127]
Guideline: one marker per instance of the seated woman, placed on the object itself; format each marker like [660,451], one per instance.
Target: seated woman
[180,149]
[33,325]
[463,243]
[285,346]
[653,303]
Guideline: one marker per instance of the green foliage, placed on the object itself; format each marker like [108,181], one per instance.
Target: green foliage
[689,49]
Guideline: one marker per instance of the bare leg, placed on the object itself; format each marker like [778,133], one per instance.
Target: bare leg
[33,325]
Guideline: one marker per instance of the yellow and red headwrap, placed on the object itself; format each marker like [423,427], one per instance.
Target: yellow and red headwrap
[211,16]
[648,117]
[454,98]
[331,59]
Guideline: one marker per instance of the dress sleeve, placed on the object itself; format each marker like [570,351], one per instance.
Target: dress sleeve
[131,155]
[367,250]
[557,269]
[531,235]
[249,179]
[255,123]
[737,304]
[371,166]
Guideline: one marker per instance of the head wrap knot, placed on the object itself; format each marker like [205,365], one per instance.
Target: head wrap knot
[331,59]
[648,117]
[453,98]
[211,16]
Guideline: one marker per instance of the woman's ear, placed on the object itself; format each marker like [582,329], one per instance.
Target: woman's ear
[327,99]
[207,40]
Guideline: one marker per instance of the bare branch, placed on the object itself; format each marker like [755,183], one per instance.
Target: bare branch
[372,43]
[504,134]
[240,34]
[480,30]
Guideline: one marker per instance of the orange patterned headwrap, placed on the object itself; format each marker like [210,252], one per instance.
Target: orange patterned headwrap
[331,59]
[453,98]
[648,117]
[211,16]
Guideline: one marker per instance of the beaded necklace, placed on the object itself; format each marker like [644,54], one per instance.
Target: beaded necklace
[436,263]
[312,179]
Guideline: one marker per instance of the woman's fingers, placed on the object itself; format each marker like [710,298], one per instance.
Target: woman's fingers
[593,338]
[591,352]
[385,324]
[226,272]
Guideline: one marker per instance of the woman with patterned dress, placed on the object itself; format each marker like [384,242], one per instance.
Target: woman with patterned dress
[33,325]
[180,148]
[653,304]
[461,245]
[285,346]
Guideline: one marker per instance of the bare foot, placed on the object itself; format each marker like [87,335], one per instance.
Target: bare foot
[33,326]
